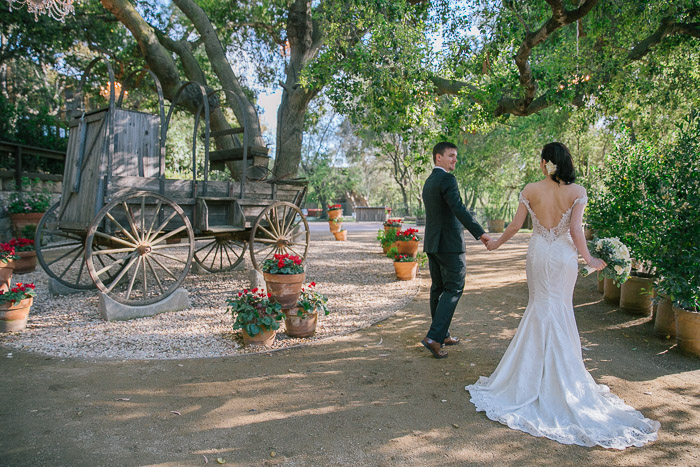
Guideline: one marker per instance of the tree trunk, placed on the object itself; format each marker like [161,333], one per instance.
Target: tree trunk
[304,42]
[290,131]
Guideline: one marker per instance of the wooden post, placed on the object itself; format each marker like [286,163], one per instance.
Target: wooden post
[18,168]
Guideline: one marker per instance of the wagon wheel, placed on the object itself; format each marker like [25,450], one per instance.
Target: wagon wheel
[280,228]
[62,254]
[219,253]
[129,235]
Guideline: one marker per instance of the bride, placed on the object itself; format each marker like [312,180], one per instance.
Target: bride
[541,385]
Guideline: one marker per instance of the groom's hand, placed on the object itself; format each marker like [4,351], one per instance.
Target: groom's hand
[485,239]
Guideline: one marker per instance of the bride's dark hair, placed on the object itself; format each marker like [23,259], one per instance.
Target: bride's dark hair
[558,154]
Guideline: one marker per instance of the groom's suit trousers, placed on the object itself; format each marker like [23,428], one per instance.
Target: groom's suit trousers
[447,271]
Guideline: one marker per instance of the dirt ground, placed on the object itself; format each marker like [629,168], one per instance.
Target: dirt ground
[374,397]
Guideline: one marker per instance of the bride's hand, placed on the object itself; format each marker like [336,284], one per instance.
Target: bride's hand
[492,245]
[597,264]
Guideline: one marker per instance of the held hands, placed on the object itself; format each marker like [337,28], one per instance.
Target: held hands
[492,245]
[485,239]
[597,264]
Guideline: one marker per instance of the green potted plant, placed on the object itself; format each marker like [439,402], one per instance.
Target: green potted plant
[7,265]
[334,211]
[335,225]
[676,203]
[387,239]
[406,266]
[26,208]
[494,216]
[14,307]
[341,235]
[392,224]
[301,321]
[284,275]
[256,315]
[26,255]
[407,242]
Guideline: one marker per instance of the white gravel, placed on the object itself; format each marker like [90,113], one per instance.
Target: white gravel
[358,280]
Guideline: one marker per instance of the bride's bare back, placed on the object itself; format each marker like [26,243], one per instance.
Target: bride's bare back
[550,201]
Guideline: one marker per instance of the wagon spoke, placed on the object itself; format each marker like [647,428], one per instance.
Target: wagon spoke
[113,251]
[116,239]
[165,222]
[213,246]
[267,232]
[216,250]
[118,262]
[66,254]
[145,273]
[169,234]
[153,221]
[294,251]
[121,273]
[70,264]
[80,269]
[163,267]
[132,221]
[272,227]
[266,240]
[226,248]
[120,228]
[143,219]
[174,258]
[153,271]
[133,277]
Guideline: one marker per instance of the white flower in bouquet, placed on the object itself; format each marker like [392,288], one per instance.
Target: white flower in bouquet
[615,254]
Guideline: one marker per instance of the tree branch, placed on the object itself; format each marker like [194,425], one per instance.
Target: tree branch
[242,107]
[560,17]
[668,27]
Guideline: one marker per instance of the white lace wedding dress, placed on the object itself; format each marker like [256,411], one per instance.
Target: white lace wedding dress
[541,385]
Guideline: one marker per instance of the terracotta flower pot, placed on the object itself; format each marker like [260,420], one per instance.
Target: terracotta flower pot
[341,236]
[635,295]
[687,330]
[406,271]
[612,292]
[284,288]
[21,220]
[335,226]
[26,262]
[387,229]
[296,326]
[601,283]
[13,315]
[388,247]
[665,321]
[6,271]
[264,338]
[496,225]
[409,248]
[334,214]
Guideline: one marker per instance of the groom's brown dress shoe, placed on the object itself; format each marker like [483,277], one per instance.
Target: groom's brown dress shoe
[451,341]
[434,348]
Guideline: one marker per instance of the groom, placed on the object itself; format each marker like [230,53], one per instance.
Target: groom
[444,245]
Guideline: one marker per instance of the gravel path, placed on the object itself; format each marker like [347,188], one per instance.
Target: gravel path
[358,280]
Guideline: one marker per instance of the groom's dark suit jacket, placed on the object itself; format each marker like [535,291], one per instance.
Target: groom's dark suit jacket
[445,215]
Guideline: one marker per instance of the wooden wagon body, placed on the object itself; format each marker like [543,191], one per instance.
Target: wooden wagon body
[124,227]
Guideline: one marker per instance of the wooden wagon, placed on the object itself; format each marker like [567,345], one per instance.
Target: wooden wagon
[125,228]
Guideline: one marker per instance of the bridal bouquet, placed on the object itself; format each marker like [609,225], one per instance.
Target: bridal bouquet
[613,252]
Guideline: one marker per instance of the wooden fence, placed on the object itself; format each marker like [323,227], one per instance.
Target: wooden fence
[16,152]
